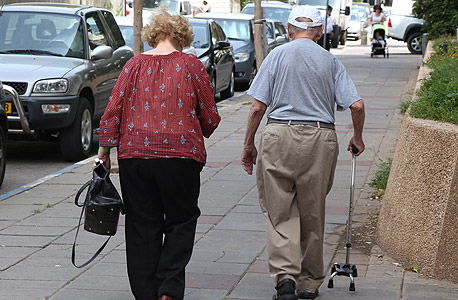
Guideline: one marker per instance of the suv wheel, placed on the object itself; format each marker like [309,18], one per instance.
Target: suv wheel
[2,155]
[76,141]
[414,43]
[229,92]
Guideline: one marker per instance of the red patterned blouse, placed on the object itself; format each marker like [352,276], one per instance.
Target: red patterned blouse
[160,107]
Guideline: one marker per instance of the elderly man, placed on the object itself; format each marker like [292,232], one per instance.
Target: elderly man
[302,83]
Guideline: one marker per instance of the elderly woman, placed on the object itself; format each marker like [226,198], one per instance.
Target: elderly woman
[159,111]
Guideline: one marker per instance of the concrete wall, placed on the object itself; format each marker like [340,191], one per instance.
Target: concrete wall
[419,214]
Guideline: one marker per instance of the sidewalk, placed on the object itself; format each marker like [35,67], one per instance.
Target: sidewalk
[37,226]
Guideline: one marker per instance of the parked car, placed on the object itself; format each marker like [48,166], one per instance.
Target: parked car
[276,34]
[3,135]
[356,26]
[363,16]
[238,28]
[215,51]
[365,6]
[403,26]
[275,10]
[63,60]
[126,25]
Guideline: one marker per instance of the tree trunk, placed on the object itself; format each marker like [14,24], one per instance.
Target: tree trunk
[138,25]
[258,33]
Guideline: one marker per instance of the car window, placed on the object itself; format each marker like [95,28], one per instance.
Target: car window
[128,35]
[270,30]
[236,29]
[200,36]
[214,34]
[277,29]
[172,5]
[41,34]
[95,31]
[114,28]
[278,13]
[220,31]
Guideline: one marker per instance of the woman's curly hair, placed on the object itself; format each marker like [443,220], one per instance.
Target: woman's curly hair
[164,26]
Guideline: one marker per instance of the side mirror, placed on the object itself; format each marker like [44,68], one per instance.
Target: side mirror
[347,10]
[101,52]
[222,45]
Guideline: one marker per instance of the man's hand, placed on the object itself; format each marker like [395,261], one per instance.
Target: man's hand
[358,144]
[249,155]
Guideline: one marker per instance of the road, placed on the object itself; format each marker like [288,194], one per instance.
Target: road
[30,161]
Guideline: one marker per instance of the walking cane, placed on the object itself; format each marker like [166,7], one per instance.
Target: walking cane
[347,269]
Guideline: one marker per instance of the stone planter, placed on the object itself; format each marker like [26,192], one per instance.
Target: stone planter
[418,222]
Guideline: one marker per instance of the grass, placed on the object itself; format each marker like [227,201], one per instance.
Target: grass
[36,211]
[438,94]
[404,106]
[381,175]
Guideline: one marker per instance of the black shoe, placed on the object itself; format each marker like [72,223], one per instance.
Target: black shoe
[305,295]
[286,290]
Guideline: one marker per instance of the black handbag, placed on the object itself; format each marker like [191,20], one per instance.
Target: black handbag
[101,208]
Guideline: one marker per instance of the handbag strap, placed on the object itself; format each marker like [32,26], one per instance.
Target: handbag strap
[78,229]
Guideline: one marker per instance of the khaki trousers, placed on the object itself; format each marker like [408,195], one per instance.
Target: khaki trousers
[295,172]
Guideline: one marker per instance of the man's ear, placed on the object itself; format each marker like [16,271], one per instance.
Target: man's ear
[287,29]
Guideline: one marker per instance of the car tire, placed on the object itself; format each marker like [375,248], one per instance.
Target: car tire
[2,155]
[229,92]
[76,140]
[335,39]
[343,38]
[414,43]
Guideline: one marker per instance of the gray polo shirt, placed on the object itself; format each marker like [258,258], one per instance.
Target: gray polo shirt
[302,81]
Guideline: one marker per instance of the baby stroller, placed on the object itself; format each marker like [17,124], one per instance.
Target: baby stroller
[378,41]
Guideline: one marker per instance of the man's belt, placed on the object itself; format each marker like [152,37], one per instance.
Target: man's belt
[298,122]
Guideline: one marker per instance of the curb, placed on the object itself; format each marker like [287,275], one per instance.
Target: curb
[45,178]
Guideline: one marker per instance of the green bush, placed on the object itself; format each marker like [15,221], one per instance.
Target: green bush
[438,95]
[380,179]
[440,16]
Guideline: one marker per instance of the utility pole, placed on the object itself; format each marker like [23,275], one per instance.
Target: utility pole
[258,33]
[138,25]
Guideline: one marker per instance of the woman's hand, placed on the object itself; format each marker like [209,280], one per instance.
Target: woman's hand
[104,155]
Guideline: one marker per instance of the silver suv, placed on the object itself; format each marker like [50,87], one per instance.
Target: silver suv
[403,26]
[63,60]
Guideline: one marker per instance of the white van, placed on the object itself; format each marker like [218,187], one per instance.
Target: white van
[403,26]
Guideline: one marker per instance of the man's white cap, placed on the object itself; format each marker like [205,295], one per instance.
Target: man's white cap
[305,11]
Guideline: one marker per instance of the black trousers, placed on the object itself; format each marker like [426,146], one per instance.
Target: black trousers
[328,41]
[160,199]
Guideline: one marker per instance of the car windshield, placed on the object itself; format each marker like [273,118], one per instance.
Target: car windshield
[236,29]
[320,3]
[200,37]
[152,4]
[354,18]
[275,13]
[128,35]
[41,34]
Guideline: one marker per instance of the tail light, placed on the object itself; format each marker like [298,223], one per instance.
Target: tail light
[389,23]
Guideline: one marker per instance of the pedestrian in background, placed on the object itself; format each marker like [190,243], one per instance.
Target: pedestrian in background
[327,30]
[158,114]
[205,8]
[302,83]
[377,16]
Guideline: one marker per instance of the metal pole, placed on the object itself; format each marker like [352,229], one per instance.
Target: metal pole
[350,209]
[19,108]
[325,25]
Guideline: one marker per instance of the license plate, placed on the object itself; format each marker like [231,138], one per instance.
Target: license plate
[7,107]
